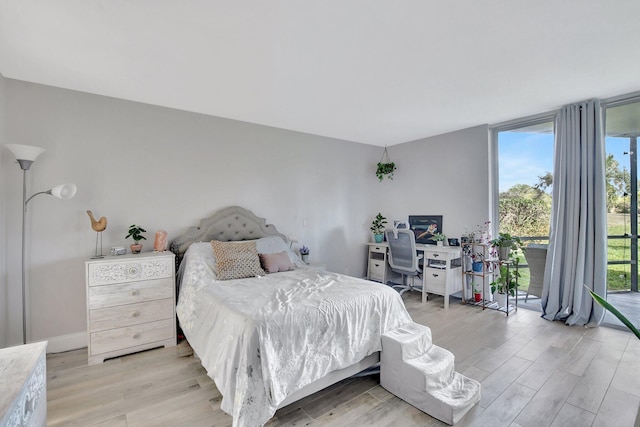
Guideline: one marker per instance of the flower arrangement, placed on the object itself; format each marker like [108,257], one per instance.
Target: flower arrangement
[481,233]
[304,250]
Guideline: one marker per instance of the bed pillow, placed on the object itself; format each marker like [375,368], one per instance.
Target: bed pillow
[274,263]
[236,260]
[274,244]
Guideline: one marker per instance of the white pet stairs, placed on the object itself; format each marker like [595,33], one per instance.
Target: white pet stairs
[422,374]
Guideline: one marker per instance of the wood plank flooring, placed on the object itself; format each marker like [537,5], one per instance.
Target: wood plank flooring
[533,373]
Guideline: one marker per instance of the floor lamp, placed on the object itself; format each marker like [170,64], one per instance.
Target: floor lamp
[26,155]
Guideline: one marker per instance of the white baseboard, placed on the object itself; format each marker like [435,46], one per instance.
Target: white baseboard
[67,342]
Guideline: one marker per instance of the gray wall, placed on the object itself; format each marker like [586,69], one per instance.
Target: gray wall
[4,319]
[165,169]
[444,175]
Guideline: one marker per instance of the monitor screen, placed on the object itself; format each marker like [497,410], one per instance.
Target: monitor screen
[425,226]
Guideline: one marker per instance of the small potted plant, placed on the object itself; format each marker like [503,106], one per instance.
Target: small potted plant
[385,166]
[506,282]
[477,259]
[505,243]
[304,254]
[135,232]
[439,238]
[477,293]
[385,169]
[378,226]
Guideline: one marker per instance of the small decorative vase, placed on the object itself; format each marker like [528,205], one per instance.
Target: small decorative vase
[136,248]
[305,258]
[477,297]
[477,267]
[439,243]
[378,237]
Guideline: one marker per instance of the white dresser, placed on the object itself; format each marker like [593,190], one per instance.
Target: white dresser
[130,304]
[23,385]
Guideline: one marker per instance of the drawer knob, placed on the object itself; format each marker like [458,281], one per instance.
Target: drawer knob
[434,275]
[133,293]
[377,265]
[436,255]
[135,314]
[135,336]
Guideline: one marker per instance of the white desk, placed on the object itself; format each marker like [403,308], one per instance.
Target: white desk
[439,276]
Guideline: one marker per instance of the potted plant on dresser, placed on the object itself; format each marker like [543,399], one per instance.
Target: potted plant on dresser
[378,226]
[135,232]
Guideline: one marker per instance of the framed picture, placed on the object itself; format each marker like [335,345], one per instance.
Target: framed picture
[425,226]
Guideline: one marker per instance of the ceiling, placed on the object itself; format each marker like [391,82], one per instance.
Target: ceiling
[371,71]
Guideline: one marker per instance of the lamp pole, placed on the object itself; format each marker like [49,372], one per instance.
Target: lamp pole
[26,155]
[24,214]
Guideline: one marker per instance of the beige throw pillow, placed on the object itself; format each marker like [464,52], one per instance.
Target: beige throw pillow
[273,263]
[236,260]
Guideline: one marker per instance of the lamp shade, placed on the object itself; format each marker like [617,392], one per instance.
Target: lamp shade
[64,191]
[25,152]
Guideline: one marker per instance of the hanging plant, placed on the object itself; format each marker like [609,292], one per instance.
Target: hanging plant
[385,166]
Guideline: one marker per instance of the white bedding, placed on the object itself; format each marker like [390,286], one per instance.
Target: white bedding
[261,339]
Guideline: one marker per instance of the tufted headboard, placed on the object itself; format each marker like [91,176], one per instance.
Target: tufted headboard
[229,224]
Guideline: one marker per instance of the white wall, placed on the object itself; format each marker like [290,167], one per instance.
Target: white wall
[4,316]
[166,169]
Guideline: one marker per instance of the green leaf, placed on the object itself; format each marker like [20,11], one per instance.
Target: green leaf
[614,311]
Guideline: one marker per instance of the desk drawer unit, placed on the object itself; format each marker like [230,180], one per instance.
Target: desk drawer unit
[442,275]
[130,304]
[377,264]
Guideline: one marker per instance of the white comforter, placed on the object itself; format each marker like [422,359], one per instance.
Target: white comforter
[261,339]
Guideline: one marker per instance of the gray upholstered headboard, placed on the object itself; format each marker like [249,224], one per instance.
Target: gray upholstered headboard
[229,224]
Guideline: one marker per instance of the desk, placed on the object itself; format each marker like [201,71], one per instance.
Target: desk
[441,274]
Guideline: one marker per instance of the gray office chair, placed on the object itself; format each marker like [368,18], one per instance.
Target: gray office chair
[536,256]
[403,258]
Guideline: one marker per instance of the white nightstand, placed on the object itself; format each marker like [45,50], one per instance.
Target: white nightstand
[130,304]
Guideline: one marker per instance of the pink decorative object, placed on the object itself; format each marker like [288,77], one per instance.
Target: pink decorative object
[160,244]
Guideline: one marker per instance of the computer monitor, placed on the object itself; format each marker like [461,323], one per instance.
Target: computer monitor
[424,227]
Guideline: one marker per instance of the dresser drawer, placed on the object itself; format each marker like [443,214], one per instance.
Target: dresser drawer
[131,336]
[129,270]
[130,314]
[378,249]
[129,293]
[376,270]
[435,280]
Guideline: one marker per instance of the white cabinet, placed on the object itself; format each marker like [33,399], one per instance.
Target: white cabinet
[130,304]
[441,271]
[23,385]
[377,262]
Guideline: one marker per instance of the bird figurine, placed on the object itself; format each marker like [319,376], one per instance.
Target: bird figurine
[97,225]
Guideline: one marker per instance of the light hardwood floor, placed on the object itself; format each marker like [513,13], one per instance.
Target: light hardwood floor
[533,373]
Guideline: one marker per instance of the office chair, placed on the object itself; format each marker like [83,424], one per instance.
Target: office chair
[403,258]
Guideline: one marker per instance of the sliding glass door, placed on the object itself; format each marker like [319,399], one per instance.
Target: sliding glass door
[622,124]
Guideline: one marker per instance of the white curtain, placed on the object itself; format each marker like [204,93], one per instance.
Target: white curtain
[577,253]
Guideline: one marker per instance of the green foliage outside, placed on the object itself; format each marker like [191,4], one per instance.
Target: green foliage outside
[525,211]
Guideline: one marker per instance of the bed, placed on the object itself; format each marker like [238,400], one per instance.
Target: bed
[271,339]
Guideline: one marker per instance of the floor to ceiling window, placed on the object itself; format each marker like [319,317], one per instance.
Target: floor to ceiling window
[622,124]
[524,181]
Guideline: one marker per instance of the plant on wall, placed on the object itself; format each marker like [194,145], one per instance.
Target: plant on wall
[385,166]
